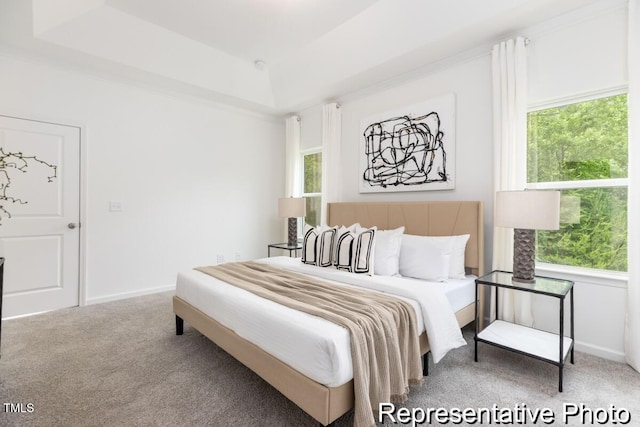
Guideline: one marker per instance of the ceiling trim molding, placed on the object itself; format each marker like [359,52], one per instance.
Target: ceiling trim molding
[104,76]
[575,17]
[416,74]
[570,18]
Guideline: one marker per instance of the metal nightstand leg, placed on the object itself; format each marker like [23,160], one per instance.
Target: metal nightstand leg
[561,358]
[476,321]
[573,340]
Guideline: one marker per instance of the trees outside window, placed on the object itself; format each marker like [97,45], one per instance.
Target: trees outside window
[312,186]
[581,150]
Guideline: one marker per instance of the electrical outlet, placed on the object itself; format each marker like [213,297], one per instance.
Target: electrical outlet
[220,258]
[115,206]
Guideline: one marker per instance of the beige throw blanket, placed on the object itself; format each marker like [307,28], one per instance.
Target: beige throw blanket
[384,335]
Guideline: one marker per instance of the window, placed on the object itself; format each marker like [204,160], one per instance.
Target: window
[312,185]
[581,150]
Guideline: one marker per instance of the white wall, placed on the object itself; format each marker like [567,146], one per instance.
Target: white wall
[581,52]
[195,180]
[470,81]
[311,129]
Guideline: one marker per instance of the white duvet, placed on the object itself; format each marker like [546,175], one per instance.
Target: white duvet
[313,346]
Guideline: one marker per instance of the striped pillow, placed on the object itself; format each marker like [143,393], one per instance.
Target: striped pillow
[339,232]
[317,245]
[355,251]
[344,246]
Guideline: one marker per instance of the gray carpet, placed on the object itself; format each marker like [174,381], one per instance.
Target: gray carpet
[121,364]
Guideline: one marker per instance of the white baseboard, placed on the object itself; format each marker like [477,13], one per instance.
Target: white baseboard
[125,295]
[605,353]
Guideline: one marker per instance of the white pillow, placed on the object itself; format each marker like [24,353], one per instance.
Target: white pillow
[387,252]
[456,265]
[423,257]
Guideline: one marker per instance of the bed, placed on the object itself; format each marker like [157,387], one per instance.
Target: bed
[327,399]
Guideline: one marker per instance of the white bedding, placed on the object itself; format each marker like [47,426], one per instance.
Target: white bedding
[313,346]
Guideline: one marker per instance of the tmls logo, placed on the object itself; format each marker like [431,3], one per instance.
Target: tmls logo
[19,407]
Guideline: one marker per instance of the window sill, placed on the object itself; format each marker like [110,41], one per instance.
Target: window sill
[617,279]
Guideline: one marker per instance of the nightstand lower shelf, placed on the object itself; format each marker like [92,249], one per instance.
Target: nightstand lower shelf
[532,342]
[548,347]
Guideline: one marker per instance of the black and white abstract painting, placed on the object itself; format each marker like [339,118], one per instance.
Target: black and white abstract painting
[411,149]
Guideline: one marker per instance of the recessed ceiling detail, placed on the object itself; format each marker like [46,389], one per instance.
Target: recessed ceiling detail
[218,49]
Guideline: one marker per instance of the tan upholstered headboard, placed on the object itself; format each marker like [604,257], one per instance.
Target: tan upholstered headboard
[421,218]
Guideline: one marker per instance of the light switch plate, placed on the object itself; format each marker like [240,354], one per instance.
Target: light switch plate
[115,206]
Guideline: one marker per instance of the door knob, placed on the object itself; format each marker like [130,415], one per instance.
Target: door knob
[72,225]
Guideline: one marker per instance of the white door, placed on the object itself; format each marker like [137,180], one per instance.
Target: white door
[39,215]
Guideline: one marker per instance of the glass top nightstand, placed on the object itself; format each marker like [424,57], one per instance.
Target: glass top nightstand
[541,285]
[549,347]
[293,249]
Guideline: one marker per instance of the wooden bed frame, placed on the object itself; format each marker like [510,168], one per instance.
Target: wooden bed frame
[326,404]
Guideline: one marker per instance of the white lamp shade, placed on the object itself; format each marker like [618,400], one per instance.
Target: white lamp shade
[530,210]
[291,207]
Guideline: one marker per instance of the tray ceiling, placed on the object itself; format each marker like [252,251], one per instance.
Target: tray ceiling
[314,50]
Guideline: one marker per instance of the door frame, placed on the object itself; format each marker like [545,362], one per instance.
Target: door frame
[83,201]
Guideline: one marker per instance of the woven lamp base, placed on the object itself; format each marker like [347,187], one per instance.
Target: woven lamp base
[292,232]
[524,255]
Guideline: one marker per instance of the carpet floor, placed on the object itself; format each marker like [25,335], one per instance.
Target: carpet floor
[121,364]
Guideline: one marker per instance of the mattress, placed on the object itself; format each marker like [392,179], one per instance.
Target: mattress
[313,346]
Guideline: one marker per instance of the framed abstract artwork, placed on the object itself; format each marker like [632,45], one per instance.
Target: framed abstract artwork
[409,149]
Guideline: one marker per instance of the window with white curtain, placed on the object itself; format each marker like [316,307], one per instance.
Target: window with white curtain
[312,185]
[580,147]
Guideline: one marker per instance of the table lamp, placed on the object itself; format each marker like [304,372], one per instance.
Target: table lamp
[292,208]
[525,212]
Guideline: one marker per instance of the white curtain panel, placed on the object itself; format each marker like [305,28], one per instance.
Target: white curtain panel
[293,178]
[632,324]
[331,136]
[293,186]
[509,69]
